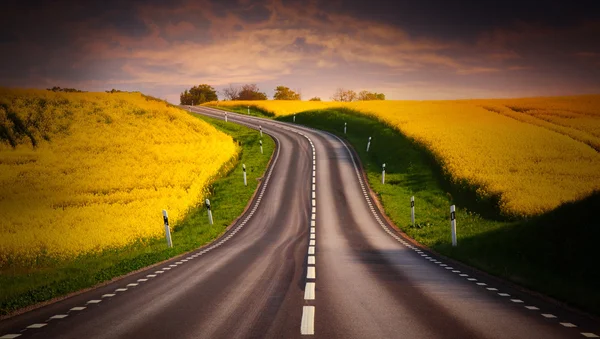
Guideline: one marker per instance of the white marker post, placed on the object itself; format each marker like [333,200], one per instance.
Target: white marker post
[345,124]
[453,225]
[369,144]
[383,174]
[225,116]
[260,129]
[412,210]
[244,168]
[261,149]
[210,219]
[167,229]
[294,118]
[248,110]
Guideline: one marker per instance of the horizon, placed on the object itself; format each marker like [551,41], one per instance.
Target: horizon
[432,50]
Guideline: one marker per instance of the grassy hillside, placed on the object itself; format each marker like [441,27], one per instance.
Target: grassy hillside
[526,156]
[88,172]
[551,253]
[26,280]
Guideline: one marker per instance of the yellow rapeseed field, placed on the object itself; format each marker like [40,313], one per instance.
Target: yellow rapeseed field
[103,168]
[534,153]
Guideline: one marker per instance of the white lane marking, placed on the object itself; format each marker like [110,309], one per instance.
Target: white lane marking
[314,195]
[311,250]
[314,203]
[59,316]
[159,272]
[314,173]
[179,262]
[492,289]
[311,272]
[504,294]
[309,291]
[142,280]
[314,180]
[314,187]
[589,335]
[313,223]
[313,216]
[312,230]
[132,285]
[548,315]
[471,279]
[455,271]
[568,325]
[311,260]
[184,260]
[120,290]
[518,301]
[151,275]
[312,242]
[95,301]
[166,268]
[481,284]
[314,210]
[37,325]
[79,308]
[307,327]
[10,336]
[312,236]
[109,295]
[533,308]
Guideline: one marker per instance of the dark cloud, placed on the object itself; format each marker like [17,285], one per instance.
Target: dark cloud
[465,18]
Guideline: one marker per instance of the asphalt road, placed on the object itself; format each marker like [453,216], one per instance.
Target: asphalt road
[312,256]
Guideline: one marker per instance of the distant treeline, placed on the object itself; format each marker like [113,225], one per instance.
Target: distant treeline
[204,93]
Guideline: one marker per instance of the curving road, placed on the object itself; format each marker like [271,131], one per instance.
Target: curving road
[312,256]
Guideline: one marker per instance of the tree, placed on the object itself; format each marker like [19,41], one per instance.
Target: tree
[366,95]
[231,93]
[198,95]
[315,99]
[251,92]
[285,93]
[345,95]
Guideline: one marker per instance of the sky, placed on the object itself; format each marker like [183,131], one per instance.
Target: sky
[421,50]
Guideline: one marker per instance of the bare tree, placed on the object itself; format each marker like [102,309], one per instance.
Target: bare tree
[231,93]
[345,95]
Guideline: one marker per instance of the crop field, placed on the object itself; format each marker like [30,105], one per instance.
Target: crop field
[82,173]
[531,155]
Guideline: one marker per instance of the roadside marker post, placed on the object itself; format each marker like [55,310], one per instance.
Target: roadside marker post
[210,218]
[261,149]
[369,144]
[453,224]
[244,168]
[167,229]
[345,124]
[260,129]
[248,110]
[225,116]
[383,174]
[294,118]
[412,210]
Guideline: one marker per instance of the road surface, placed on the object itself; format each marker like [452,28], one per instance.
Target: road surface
[312,257]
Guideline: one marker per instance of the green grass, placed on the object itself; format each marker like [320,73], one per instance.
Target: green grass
[253,110]
[21,287]
[554,253]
